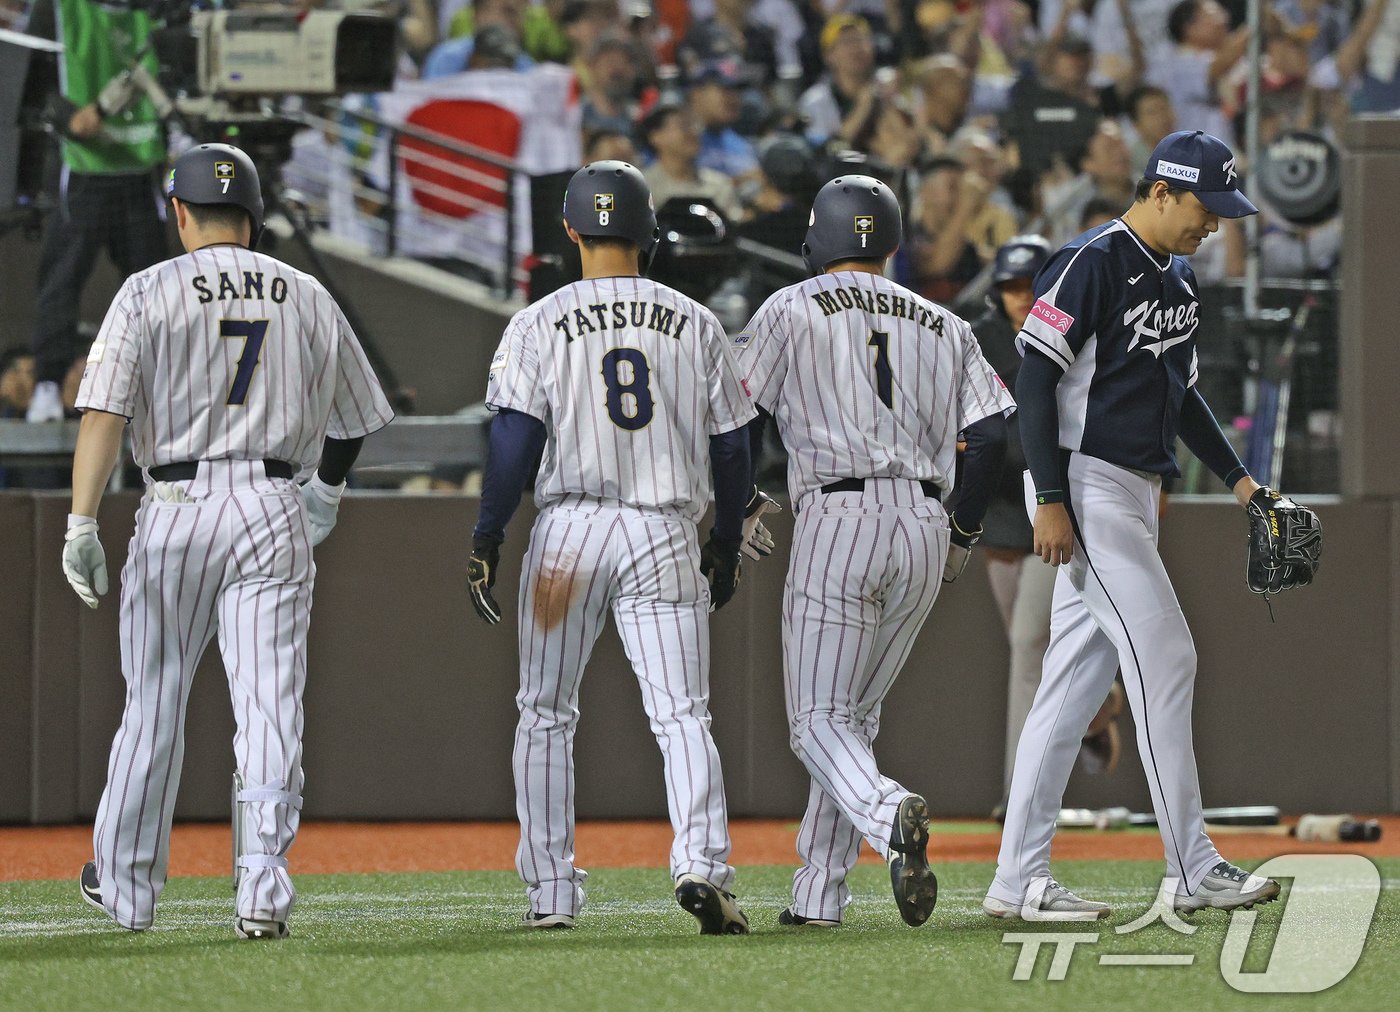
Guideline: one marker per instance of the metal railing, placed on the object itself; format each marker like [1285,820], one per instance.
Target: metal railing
[362,176]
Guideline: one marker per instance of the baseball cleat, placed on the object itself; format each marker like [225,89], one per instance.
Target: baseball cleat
[1226,887]
[915,885]
[1052,902]
[789,919]
[90,887]
[534,920]
[716,910]
[249,928]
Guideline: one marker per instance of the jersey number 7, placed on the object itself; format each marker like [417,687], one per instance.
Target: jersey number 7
[253,333]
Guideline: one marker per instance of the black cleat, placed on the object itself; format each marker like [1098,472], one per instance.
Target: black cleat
[547,921]
[788,919]
[716,910]
[915,885]
[91,888]
[248,928]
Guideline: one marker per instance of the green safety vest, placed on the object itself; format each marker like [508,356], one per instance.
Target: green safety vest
[98,45]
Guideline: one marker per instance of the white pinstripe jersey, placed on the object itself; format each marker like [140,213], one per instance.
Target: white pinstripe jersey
[866,380]
[225,353]
[631,379]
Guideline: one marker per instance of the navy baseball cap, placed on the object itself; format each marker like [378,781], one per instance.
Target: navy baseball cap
[1197,161]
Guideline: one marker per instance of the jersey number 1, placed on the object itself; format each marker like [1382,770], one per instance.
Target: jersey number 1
[628,379]
[884,378]
[253,332]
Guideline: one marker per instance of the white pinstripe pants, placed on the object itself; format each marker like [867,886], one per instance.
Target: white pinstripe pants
[1114,607]
[236,561]
[587,556]
[866,568]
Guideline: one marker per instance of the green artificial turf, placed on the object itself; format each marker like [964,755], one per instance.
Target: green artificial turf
[450,940]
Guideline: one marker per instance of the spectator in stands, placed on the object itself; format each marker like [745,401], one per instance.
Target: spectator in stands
[892,140]
[454,55]
[609,145]
[609,94]
[673,134]
[1325,25]
[1150,113]
[1099,211]
[979,152]
[1051,113]
[955,231]
[418,28]
[1106,171]
[838,106]
[788,181]
[1205,52]
[730,33]
[943,86]
[16,381]
[1372,55]
[584,23]
[1127,36]
[715,98]
[540,28]
[495,49]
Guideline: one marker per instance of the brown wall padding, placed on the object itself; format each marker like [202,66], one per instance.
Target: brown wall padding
[410,701]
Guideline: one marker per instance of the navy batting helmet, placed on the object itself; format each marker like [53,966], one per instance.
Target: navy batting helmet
[218,174]
[853,217]
[1021,256]
[611,199]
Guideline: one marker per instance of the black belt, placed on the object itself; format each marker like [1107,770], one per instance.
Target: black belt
[930,488]
[185,470]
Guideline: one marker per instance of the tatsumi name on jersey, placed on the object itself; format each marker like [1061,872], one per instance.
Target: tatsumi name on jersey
[1153,328]
[252,287]
[882,303]
[621,315]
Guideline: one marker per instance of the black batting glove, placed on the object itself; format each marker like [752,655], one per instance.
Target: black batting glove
[481,577]
[719,563]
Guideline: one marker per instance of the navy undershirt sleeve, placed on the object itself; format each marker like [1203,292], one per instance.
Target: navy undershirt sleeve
[1201,433]
[337,457]
[755,430]
[981,471]
[1039,420]
[517,441]
[733,473]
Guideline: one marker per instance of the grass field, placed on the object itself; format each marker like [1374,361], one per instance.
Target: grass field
[450,940]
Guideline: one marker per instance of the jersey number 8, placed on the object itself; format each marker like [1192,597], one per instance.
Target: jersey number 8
[628,379]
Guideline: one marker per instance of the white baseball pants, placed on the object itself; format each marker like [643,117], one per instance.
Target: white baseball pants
[587,556]
[1114,607]
[866,568]
[234,559]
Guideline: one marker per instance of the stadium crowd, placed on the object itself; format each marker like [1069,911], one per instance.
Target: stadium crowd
[989,117]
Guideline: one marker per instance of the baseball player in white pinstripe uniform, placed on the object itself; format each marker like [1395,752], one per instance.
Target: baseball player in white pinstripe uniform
[629,391]
[870,385]
[236,373]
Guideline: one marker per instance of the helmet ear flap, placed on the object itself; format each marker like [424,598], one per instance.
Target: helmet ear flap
[812,269]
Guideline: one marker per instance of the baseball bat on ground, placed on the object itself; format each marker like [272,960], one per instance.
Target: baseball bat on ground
[1313,829]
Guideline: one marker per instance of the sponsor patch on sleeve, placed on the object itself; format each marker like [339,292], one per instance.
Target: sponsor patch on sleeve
[499,361]
[95,353]
[744,338]
[1056,318]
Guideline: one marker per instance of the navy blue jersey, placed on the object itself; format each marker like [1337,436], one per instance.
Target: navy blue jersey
[1121,321]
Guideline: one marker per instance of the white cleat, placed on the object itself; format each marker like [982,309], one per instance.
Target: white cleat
[1226,887]
[249,928]
[1047,900]
[534,920]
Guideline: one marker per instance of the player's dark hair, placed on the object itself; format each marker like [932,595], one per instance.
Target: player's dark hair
[604,241]
[229,216]
[1144,189]
[1139,95]
[1180,17]
[11,355]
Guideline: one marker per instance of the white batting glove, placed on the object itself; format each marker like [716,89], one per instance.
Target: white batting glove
[960,544]
[322,504]
[84,562]
[757,543]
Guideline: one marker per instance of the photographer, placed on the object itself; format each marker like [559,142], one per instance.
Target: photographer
[108,189]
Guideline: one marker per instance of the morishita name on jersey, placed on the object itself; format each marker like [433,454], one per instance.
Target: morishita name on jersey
[604,316]
[883,303]
[251,288]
